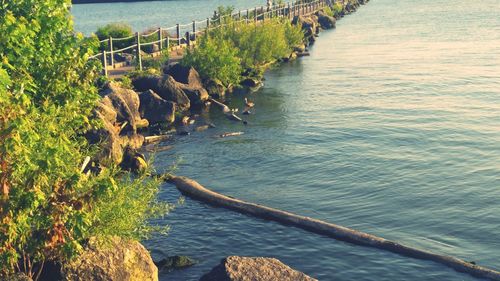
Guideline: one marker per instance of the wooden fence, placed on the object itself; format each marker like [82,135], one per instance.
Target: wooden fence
[183,36]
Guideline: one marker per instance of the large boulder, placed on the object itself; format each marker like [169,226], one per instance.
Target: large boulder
[171,90]
[155,109]
[125,103]
[196,95]
[190,82]
[146,82]
[215,88]
[185,75]
[113,110]
[326,21]
[114,259]
[236,268]
[309,25]
[107,136]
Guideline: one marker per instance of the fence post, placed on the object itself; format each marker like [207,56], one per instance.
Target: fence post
[288,11]
[160,38]
[178,34]
[188,39]
[239,15]
[263,13]
[104,63]
[194,30]
[111,51]
[139,59]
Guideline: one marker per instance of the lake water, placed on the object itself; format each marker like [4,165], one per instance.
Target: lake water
[144,15]
[391,126]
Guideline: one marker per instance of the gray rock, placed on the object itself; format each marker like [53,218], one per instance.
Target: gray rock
[125,103]
[215,88]
[174,262]
[326,21]
[185,75]
[196,95]
[114,259]
[155,109]
[171,90]
[235,268]
[146,82]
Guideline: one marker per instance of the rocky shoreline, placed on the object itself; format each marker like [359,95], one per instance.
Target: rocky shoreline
[157,108]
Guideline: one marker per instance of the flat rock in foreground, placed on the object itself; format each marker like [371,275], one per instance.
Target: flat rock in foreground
[115,259]
[236,268]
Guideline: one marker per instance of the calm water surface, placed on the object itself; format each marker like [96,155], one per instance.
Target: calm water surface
[391,126]
[144,15]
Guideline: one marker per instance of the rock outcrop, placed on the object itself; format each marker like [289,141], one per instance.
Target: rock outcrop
[118,111]
[190,83]
[115,259]
[171,90]
[215,88]
[126,105]
[174,262]
[155,109]
[236,268]
[326,21]
[143,83]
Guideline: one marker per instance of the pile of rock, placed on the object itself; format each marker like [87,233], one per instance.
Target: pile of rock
[236,268]
[125,112]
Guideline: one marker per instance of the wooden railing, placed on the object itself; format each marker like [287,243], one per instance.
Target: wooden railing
[183,36]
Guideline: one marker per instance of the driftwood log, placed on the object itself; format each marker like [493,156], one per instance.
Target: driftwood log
[193,189]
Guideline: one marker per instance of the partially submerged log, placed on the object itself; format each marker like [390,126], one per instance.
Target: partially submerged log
[224,107]
[233,134]
[233,117]
[154,139]
[193,189]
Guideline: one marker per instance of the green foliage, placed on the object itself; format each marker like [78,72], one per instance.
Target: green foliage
[328,11]
[337,9]
[155,63]
[224,13]
[124,210]
[225,53]
[116,30]
[48,207]
[215,57]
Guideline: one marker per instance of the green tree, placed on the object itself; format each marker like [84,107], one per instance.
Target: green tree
[48,207]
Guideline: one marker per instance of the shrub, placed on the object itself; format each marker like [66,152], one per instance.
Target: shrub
[215,58]
[337,9]
[226,52]
[48,207]
[116,30]
[328,11]
[155,63]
